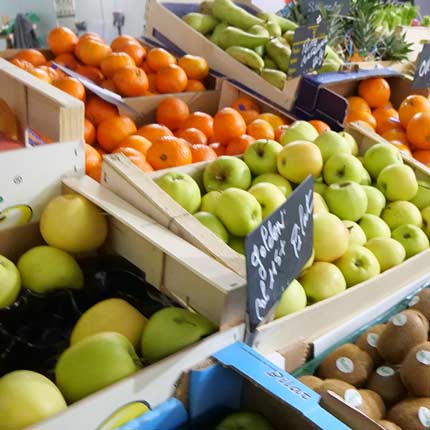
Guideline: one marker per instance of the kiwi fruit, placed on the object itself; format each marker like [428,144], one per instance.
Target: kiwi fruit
[347,363]
[404,331]
[415,370]
[411,414]
[311,381]
[373,405]
[369,340]
[336,385]
[388,425]
[421,303]
[386,381]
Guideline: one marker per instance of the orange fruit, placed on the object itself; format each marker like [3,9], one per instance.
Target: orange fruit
[152,85]
[23,64]
[67,60]
[152,132]
[169,151]
[42,75]
[120,41]
[274,120]
[201,152]
[320,126]
[172,112]
[90,35]
[245,103]
[356,103]
[193,136]
[131,81]
[228,123]
[171,79]
[137,142]
[108,84]
[376,92]
[159,58]
[33,56]
[53,73]
[418,130]
[146,68]
[71,86]
[133,155]
[423,156]
[134,49]
[395,134]
[90,72]
[279,131]
[403,148]
[260,129]
[194,86]
[202,121]
[101,151]
[218,148]
[114,62]
[249,115]
[194,66]
[111,132]
[93,162]
[62,40]
[387,118]
[238,145]
[97,110]
[412,105]
[89,132]
[92,52]
[361,116]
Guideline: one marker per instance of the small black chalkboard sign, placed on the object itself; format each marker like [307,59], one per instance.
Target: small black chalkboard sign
[277,250]
[308,49]
[422,71]
[312,8]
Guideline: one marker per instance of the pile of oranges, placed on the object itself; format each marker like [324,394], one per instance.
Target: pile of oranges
[125,66]
[408,128]
[179,137]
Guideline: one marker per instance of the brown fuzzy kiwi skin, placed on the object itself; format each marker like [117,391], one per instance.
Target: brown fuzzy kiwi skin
[336,385]
[363,365]
[396,341]
[414,374]
[311,381]
[405,413]
[363,344]
[388,425]
[390,388]
[423,305]
[373,405]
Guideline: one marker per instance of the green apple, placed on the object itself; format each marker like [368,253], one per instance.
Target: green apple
[375,200]
[373,226]
[342,167]
[210,201]
[300,130]
[319,204]
[331,143]
[244,421]
[269,196]
[366,179]
[15,216]
[292,300]
[226,172]
[299,159]
[347,200]
[379,156]
[27,398]
[275,179]
[171,329]
[213,223]
[358,264]
[356,233]
[237,243]
[322,280]
[45,268]
[425,213]
[422,197]
[401,212]
[319,185]
[239,211]
[72,223]
[413,239]
[94,363]
[115,315]
[388,251]
[261,156]
[330,237]
[10,282]
[182,188]
[397,182]
[351,141]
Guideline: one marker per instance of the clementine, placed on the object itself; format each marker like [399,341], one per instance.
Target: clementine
[67,60]
[218,148]
[201,152]
[131,81]
[320,126]
[249,115]
[91,72]
[93,162]
[245,103]
[356,103]
[169,151]
[418,130]
[120,41]
[423,156]
[97,110]
[114,62]
[134,49]
[159,58]
[133,155]
[171,79]
[137,142]
[364,116]
[89,132]
[202,121]
[194,136]
[376,92]
[172,112]
[108,84]
[62,40]
[260,129]
[71,86]
[412,105]
[152,132]
[33,56]
[238,145]
[194,86]
[23,64]
[396,135]
[111,132]
[92,52]
[228,123]
[274,120]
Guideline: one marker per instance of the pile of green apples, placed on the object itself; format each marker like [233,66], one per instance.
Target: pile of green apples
[370,212]
[261,42]
[110,341]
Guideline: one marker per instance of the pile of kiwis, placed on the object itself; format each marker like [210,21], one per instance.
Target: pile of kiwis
[386,373]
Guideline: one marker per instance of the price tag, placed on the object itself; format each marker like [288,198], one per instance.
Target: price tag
[277,250]
[422,71]
[312,8]
[308,49]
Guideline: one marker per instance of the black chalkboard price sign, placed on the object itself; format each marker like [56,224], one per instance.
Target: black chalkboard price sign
[308,49]
[277,250]
[422,71]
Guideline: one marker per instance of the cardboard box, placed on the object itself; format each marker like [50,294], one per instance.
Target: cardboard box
[163,21]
